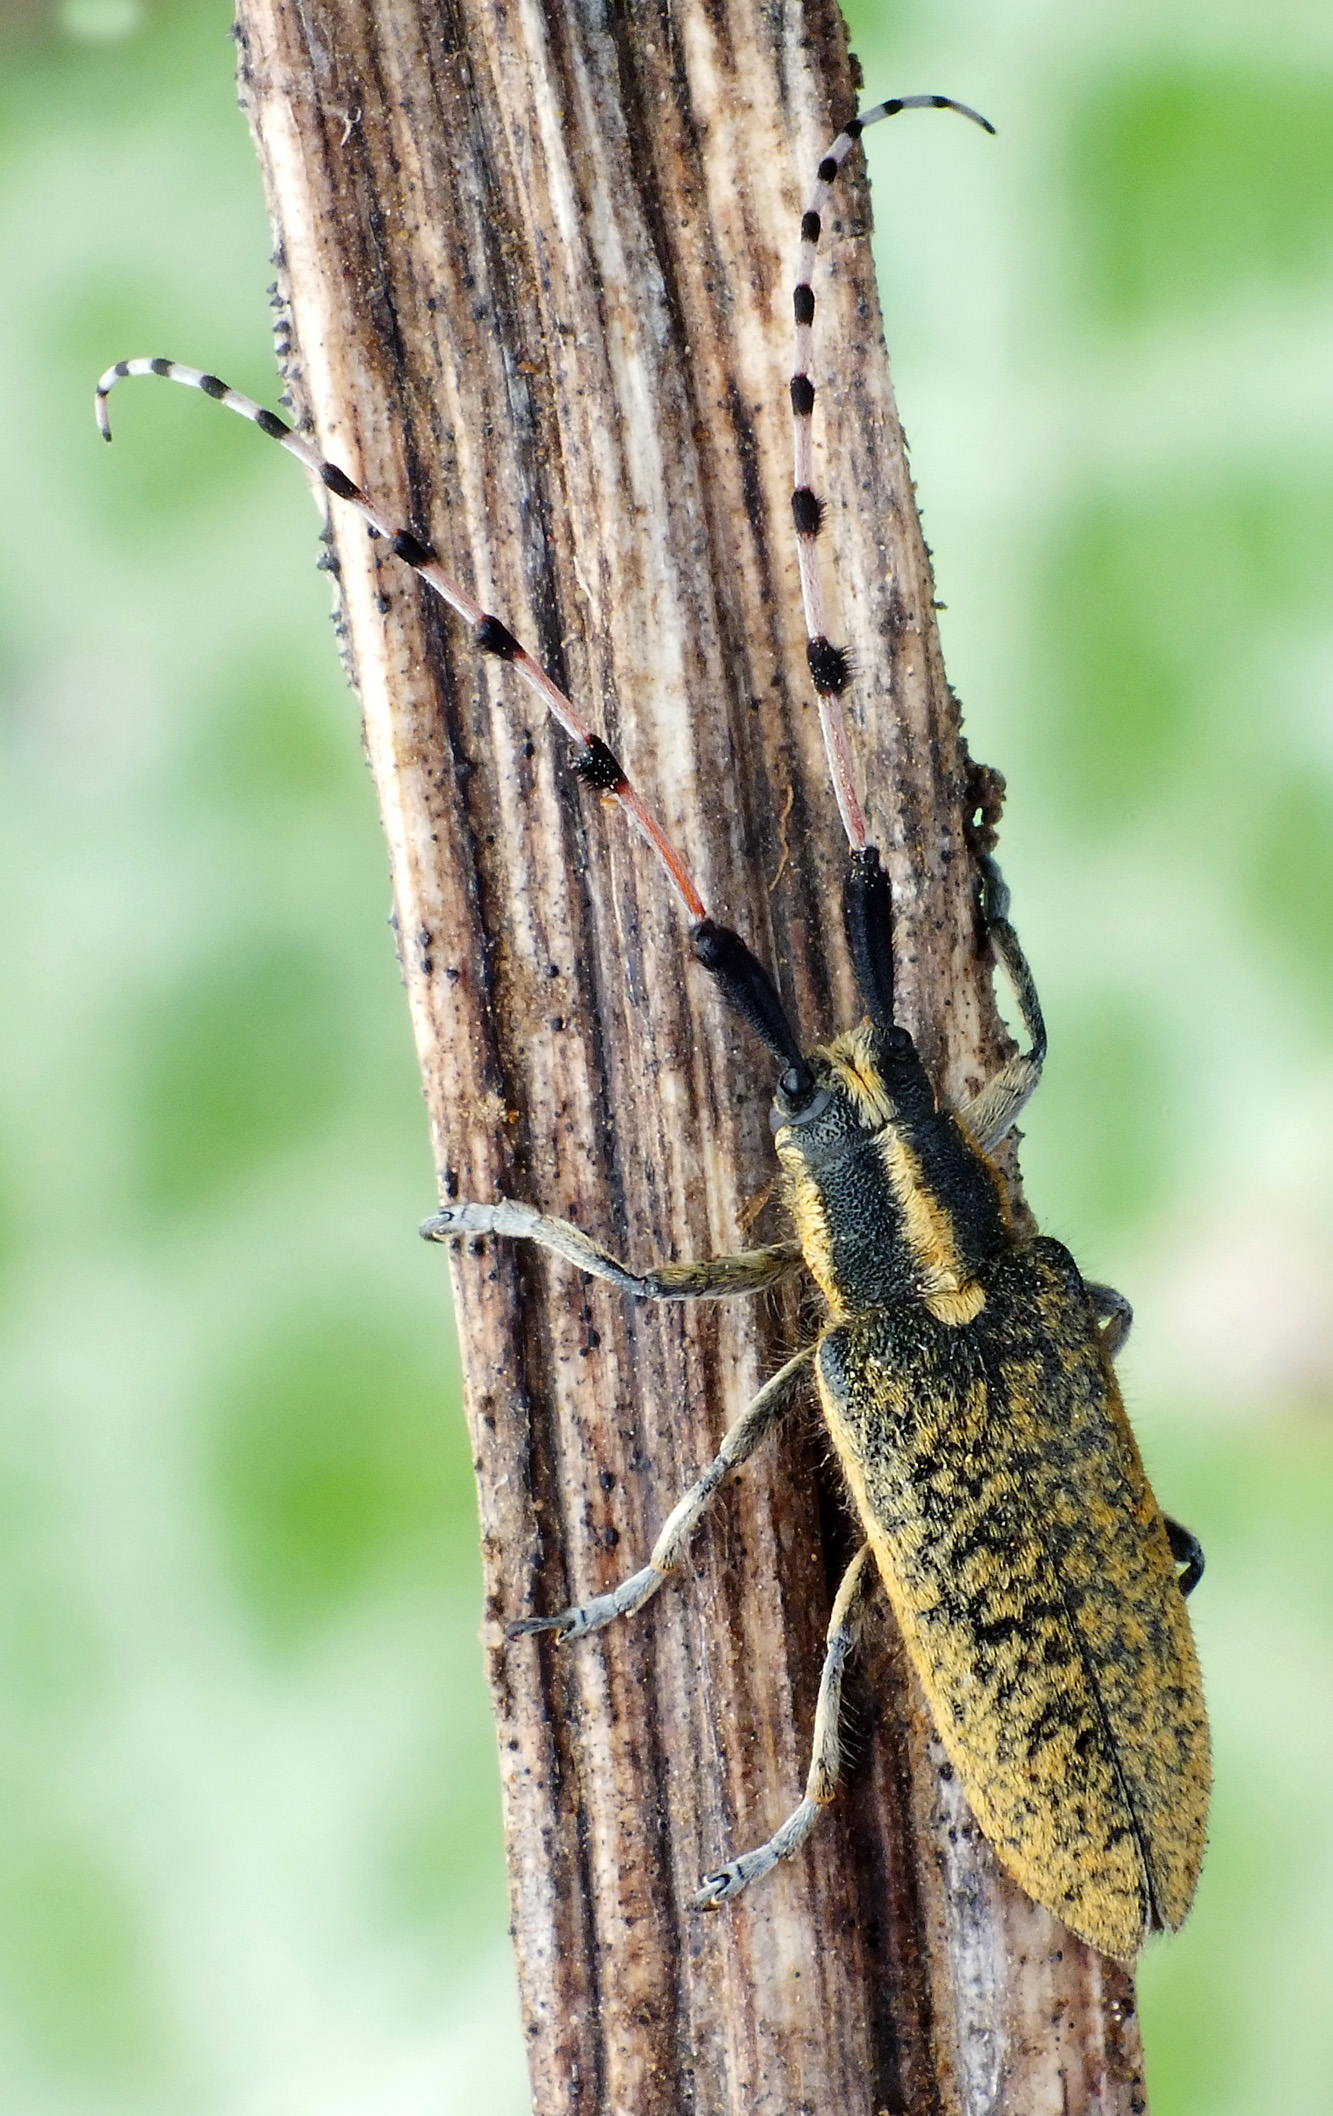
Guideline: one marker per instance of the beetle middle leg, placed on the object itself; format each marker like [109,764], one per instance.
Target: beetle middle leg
[844,1631]
[761,1417]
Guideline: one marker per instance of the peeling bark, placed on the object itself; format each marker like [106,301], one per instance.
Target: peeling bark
[538,263]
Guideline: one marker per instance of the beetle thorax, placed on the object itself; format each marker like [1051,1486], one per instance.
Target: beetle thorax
[891,1201]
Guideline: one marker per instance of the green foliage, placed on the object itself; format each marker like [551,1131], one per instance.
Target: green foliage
[1196,182]
[241,1061]
[269,751]
[334,1463]
[1162,613]
[1102,1153]
[74,1975]
[1289,871]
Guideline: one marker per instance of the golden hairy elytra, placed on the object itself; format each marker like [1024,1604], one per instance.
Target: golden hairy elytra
[964,1367]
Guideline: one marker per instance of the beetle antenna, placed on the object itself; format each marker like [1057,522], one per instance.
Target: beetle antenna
[866,891]
[867,897]
[868,907]
[592,761]
[830,666]
[747,987]
[741,977]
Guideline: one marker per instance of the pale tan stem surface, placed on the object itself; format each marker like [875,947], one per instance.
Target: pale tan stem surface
[538,261]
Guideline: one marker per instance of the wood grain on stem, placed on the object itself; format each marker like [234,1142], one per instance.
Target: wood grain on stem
[538,259]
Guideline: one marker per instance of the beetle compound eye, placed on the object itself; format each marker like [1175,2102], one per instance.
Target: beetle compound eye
[798,1100]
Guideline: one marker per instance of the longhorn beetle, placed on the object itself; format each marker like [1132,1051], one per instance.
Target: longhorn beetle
[964,1369]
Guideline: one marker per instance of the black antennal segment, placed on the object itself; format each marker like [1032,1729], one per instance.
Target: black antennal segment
[868,908]
[747,986]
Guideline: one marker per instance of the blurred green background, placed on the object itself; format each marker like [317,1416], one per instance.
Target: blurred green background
[249,1829]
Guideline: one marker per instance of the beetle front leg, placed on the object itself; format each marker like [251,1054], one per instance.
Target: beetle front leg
[769,1408]
[714,1278]
[989,1115]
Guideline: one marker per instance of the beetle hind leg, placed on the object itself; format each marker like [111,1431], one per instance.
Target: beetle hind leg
[1187,1550]
[844,1631]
